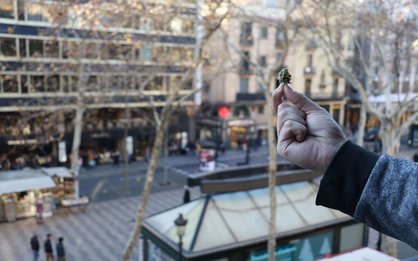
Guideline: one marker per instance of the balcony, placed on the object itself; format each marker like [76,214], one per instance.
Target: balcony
[327,95]
[246,97]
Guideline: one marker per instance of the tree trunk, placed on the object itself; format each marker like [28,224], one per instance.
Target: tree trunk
[391,147]
[78,126]
[272,175]
[147,186]
[361,125]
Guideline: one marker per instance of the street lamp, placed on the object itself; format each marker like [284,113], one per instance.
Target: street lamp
[180,223]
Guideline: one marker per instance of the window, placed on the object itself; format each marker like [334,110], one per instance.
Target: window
[145,24]
[92,51]
[245,62]
[145,54]
[37,83]
[310,60]
[65,82]
[92,83]
[322,84]
[308,83]
[335,86]
[280,37]
[22,48]
[6,9]
[8,46]
[24,83]
[263,61]
[176,25]
[38,12]
[264,32]
[36,48]
[351,237]
[9,83]
[51,49]
[260,109]
[246,37]
[188,26]
[155,84]
[52,83]
[279,57]
[243,85]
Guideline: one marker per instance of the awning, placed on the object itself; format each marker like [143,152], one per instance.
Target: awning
[61,172]
[24,180]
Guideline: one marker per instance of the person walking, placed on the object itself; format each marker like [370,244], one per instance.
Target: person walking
[415,157]
[186,196]
[49,252]
[34,244]
[60,250]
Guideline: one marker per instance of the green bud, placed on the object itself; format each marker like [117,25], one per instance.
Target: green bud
[284,76]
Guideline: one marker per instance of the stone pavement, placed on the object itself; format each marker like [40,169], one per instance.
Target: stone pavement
[99,233]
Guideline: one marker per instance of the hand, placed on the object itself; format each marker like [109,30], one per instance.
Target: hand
[307,135]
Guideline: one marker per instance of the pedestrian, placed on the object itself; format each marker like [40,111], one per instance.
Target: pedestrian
[116,156]
[39,210]
[186,195]
[378,190]
[415,157]
[34,244]
[60,250]
[49,252]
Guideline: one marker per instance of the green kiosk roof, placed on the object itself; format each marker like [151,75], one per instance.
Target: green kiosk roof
[228,220]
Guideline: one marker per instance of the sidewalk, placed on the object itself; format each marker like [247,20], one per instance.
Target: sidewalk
[99,233]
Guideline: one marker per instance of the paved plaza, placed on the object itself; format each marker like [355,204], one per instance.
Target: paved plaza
[99,233]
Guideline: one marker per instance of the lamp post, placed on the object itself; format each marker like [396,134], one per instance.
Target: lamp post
[180,223]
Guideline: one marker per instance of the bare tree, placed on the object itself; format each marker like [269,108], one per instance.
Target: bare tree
[382,63]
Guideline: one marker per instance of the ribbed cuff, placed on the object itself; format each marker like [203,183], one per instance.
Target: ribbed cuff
[345,178]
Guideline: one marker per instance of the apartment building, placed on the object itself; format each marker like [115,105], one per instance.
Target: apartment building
[250,44]
[118,60]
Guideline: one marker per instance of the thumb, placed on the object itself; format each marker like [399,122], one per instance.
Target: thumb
[301,101]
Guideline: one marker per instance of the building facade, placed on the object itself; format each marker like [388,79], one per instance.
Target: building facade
[252,43]
[117,60]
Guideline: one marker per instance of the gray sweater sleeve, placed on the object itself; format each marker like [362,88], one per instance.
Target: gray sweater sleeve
[380,191]
[389,201]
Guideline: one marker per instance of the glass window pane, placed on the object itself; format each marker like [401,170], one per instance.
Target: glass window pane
[39,12]
[239,211]
[51,49]
[351,237]
[165,223]
[22,48]
[36,48]
[213,222]
[10,83]
[52,83]
[37,83]
[302,195]
[145,54]
[6,9]
[24,83]
[65,83]
[8,46]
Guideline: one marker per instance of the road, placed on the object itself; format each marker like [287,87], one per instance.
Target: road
[106,182]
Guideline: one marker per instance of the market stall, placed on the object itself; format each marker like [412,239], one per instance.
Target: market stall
[21,191]
[64,192]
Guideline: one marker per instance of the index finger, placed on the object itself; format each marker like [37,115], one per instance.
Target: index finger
[278,94]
